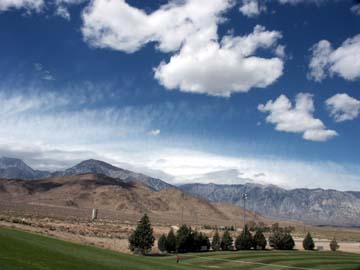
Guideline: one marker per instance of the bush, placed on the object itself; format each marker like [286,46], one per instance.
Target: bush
[281,240]
[334,245]
[142,239]
[244,241]
[226,241]
[215,244]
[171,242]
[259,240]
[162,243]
[308,242]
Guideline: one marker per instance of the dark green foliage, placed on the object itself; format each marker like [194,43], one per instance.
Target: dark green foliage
[171,242]
[281,240]
[308,242]
[226,241]
[334,245]
[142,239]
[215,244]
[200,242]
[162,243]
[244,241]
[184,239]
[259,240]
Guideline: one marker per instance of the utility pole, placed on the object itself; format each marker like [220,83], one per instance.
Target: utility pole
[245,196]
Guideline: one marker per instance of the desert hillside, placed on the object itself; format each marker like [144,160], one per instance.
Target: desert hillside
[115,199]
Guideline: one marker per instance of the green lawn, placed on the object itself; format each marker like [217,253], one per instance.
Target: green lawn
[20,250]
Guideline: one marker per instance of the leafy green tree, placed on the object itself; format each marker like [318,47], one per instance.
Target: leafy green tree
[171,241]
[184,239]
[142,239]
[259,240]
[308,242]
[215,244]
[226,241]
[334,245]
[162,242]
[281,240]
[244,241]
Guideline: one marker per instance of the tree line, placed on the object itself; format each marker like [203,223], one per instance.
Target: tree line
[188,240]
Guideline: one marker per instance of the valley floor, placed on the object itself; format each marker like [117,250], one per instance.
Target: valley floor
[21,250]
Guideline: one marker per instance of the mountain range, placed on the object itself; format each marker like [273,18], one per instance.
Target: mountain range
[314,206]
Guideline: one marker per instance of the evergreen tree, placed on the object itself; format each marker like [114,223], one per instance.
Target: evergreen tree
[226,241]
[334,245]
[281,240]
[308,242]
[215,244]
[184,239]
[288,242]
[162,243]
[171,242]
[259,240]
[244,241]
[142,239]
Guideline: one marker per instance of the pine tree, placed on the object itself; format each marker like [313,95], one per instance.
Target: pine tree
[171,242]
[259,240]
[215,244]
[334,245]
[162,243]
[244,241]
[226,241]
[142,239]
[308,242]
[184,239]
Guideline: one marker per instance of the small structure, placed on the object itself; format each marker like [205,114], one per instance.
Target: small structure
[94,214]
[320,248]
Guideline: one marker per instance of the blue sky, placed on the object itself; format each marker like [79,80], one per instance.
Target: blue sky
[180,89]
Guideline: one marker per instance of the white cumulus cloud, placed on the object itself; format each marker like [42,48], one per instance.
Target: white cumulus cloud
[202,62]
[117,25]
[298,118]
[342,107]
[343,61]
[223,68]
[18,4]
[251,8]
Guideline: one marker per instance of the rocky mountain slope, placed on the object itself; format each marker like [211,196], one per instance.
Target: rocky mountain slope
[16,168]
[11,168]
[88,191]
[315,206]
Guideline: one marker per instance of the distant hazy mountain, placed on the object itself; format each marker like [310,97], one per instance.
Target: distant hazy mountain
[100,167]
[315,206]
[13,168]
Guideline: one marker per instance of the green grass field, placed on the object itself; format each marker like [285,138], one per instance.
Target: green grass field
[20,250]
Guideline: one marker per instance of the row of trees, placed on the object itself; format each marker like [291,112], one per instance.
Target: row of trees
[185,240]
[188,240]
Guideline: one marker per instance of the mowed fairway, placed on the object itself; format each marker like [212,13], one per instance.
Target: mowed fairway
[20,250]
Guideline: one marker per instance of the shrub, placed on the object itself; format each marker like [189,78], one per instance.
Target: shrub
[334,245]
[281,240]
